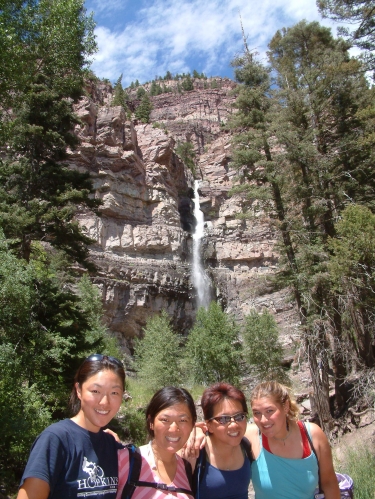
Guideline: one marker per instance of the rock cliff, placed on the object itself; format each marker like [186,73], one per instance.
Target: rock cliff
[143,238]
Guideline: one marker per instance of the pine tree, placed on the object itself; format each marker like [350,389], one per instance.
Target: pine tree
[144,109]
[158,352]
[213,347]
[39,195]
[360,13]
[119,94]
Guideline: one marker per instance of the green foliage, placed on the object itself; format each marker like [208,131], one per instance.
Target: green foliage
[359,464]
[359,13]
[45,331]
[144,109]
[141,92]
[214,83]
[213,349]
[39,195]
[91,305]
[263,352]
[187,83]
[158,352]
[120,97]
[186,152]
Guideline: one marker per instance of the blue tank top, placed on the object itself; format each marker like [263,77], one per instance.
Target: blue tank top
[221,484]
[276,477]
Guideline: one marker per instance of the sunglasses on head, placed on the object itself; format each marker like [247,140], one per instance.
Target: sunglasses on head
[99,357]
[237,418]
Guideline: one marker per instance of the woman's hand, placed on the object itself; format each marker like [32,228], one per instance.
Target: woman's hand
[195,443]
[328,480]
[114,435]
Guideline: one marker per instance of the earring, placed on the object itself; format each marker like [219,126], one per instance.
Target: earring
[287,423]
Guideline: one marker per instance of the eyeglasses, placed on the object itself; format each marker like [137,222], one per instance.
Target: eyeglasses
[99,357]
[237,418]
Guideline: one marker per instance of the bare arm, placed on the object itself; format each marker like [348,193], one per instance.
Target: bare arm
[34,488]
[328,478]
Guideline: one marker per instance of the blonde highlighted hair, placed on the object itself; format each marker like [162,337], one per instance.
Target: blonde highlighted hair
[279,393]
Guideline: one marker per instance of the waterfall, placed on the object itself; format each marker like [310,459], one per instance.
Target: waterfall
[200,280]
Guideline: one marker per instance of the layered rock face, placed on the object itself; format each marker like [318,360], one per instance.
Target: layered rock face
[143,238]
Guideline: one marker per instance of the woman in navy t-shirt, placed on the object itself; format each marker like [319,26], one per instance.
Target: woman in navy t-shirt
[74,458]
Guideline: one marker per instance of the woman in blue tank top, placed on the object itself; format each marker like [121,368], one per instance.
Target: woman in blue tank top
[223,469]
[285,466]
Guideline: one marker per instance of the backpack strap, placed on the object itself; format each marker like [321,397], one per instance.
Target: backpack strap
[135,464]
[189,472]
[314,451]
[246,445]
[200,466]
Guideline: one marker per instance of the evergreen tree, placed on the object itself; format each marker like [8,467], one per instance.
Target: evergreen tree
[263,352]
[187,83]
[158,352]
[359,12]
[119,94]
[213,348]
[39,195]
[141,92]
[144,109]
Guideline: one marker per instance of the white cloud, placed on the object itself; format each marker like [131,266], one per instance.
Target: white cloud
[173,34]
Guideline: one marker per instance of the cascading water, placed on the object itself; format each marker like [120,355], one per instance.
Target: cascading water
[200,280]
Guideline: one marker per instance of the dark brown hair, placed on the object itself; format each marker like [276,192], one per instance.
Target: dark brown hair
[216,393]
[89,368]
[167,397]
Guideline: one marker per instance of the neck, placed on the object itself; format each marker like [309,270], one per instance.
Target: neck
[164,456]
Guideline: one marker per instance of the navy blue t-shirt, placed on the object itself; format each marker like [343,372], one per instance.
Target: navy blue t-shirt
[74,462]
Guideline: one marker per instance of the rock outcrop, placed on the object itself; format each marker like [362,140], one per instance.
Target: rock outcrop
[143,238]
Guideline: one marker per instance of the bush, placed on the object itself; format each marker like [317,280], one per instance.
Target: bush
[213,349]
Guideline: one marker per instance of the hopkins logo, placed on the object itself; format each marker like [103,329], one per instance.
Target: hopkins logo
[94,471]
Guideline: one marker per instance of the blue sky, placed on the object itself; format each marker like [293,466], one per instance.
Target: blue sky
[146,38]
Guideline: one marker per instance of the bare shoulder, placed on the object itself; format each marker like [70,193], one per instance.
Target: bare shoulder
[252,432]
[317,434]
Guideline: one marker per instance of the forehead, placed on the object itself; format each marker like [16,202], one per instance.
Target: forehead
[175,410]
[105,377]
[264,402]
[227,406]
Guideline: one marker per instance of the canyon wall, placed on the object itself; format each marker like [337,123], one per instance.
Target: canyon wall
[143,238]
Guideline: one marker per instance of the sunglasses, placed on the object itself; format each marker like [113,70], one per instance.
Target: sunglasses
[237,418]
[99,357]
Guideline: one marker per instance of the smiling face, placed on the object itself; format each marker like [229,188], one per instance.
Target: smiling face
[270,417]
[100,397]
[230,433]
[172,427]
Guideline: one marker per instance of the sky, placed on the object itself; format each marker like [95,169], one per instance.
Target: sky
[143,39]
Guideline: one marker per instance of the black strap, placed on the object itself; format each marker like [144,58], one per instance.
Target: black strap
[161,486]
[314,451]
[246,445]
[200,465]
[135,465]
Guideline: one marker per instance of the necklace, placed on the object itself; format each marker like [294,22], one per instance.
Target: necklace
[156,459]
[283,439]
